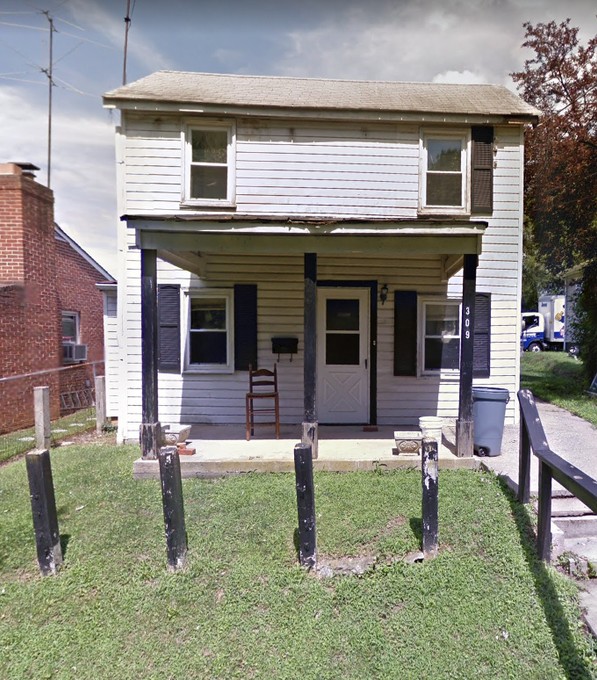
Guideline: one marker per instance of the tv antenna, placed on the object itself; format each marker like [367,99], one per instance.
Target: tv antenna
[127,25]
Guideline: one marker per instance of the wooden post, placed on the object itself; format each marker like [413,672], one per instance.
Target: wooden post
[150,426]
[41,405]
[310,437]
[172,500]
[544,513]
[305,500]
[430,497]
[43,509]
[100,403]
[524,463]
[464,424]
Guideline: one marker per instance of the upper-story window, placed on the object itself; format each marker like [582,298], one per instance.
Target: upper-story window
[457,171]
[444,173]
[209,164]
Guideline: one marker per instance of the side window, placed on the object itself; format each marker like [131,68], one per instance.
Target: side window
[70,327]
[209,152]
[444,181]
[210,332]
[440,337]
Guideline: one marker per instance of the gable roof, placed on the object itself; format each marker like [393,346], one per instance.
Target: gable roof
[62,235]
[321,94]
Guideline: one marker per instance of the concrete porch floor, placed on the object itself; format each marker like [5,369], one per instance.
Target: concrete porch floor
[223,450]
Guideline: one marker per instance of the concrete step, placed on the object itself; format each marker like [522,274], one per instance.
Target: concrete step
[568,506]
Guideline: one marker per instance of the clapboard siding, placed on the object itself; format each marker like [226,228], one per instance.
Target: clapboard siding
[220,398]
[334,169]
[316,169]
[111,353]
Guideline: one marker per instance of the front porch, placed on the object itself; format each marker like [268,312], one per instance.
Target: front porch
[223,450]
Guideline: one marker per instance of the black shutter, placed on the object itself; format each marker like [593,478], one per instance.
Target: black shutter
[169,327]
[405,332]
[482,339]
[245,326]
[482,170]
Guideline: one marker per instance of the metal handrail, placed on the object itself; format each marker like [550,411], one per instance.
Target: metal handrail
[551,466]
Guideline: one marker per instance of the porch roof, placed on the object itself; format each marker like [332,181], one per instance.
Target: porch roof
[275,235]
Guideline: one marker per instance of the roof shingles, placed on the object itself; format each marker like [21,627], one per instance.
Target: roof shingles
[314,93]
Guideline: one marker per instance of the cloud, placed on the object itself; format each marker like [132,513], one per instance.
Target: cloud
[93,15]
[83,175]
[421,40]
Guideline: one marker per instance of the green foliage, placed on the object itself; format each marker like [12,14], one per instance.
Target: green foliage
[586,328]
[559,379]
[485,607]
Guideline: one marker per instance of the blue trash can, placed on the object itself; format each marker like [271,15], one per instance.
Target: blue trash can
[489,412]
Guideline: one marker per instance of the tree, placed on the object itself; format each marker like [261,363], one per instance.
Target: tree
[561,155]
[561,165]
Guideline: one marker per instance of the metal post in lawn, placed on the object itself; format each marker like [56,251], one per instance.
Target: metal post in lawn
[305,500]
[430,497]
[43,509]
[171,481]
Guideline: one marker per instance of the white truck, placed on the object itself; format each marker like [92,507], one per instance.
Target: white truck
[545,328]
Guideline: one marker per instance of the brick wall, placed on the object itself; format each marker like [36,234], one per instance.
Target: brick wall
[40,276]
[76,281]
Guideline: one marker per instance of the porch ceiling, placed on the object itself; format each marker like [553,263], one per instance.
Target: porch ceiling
[378,238]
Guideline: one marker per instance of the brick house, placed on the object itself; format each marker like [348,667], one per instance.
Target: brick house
[51,309]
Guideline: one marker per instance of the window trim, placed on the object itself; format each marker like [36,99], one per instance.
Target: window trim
[187,155]
[463,135]
[422,302]
[226,294]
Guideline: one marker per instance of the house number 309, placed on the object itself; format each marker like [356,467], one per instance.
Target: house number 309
[467,322]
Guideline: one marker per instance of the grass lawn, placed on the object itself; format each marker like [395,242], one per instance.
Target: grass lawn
[558,378]
[21,441]
[484,608]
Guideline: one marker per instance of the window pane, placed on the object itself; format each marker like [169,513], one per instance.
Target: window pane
[208,348]
[342,349]
[444,189]
[209,182]
[208,314]
[342,315]
[441,354]
[444,154]
[69,327]
[209,146]
[441,320]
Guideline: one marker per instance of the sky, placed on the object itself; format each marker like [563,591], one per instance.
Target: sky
[470,41]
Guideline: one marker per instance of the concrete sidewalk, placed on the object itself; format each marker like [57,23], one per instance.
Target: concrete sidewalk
[571,437]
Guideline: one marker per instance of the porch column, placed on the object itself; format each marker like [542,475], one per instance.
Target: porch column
[150,427]
[310,362]
[464,424]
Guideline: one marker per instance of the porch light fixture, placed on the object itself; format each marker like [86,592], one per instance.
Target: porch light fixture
[383,293]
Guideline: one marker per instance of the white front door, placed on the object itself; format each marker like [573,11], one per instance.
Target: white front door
[343,355]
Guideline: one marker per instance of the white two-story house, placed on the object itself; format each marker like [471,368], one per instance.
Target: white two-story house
[365,236]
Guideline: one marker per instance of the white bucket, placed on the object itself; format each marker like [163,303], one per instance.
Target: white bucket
[431,428]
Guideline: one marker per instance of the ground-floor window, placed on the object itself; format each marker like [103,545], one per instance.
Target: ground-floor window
[210,331]
[440,346]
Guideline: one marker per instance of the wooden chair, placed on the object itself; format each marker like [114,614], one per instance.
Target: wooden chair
[263,385]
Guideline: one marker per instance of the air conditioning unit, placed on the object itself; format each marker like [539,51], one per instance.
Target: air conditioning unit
[74,352]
